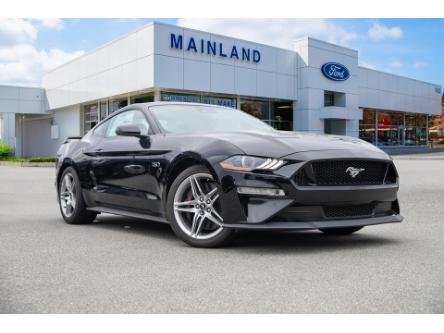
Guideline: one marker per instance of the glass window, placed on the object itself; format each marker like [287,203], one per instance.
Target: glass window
[117,104]
[329,98]
[367,126]
[221,101]
[415,129]
[176,97]
[191,119]
[390,128]
[334,98]
[103,110]
[257,108]
[282,115]
[436,129]
[90,117]
[131,117]
[145,98]
[101,129]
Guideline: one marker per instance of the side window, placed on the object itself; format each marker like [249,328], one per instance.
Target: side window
[101,129]
[131,117]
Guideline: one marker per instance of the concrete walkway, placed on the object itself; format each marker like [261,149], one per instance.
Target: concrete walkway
[428,156]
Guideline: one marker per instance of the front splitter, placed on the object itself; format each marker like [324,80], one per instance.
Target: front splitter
[307,225]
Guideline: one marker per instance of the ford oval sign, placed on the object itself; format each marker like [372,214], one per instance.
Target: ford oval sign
[335,71]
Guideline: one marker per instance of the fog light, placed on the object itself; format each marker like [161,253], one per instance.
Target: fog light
[272,192]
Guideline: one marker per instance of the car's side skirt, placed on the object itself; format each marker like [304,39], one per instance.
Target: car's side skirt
[101,209]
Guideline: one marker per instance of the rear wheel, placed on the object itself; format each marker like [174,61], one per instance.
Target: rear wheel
[71,203]
[193,209]
[340,231]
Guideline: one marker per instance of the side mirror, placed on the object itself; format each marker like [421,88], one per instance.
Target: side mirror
[129,130]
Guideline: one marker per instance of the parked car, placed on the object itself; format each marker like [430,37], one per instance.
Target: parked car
[209,170]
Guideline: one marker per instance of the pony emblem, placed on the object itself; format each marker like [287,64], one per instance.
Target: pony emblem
[353,172]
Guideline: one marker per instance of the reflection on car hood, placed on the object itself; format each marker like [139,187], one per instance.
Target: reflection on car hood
[279,143]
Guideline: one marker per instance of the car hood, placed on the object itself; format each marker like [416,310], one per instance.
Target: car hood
[279,144]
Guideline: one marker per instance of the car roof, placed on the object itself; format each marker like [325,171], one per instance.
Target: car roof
[149,104]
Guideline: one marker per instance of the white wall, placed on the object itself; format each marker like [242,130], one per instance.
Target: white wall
[18,100]
[34,133]
[121,66]
[309,111]
[22,99]
[380,90]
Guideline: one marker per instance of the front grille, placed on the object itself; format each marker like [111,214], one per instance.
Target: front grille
[333,212]
[346,172]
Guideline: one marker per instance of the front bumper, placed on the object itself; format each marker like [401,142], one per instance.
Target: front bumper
[304,207]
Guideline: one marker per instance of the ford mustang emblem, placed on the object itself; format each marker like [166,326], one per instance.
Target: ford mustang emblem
[353,172]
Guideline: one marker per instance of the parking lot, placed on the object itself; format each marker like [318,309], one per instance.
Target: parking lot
[122,265]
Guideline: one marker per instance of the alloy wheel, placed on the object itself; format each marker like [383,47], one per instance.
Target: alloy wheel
[196,207]
[68,195]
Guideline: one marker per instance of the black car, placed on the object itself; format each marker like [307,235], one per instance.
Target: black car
[210,170]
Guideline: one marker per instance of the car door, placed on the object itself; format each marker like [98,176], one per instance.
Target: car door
[116,174]
[148,168]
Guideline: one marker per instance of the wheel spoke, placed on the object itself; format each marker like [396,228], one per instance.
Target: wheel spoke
[68,183]
[199,225]
[193,188]
[185,203]
[214,220]
[198,188]
[211,193]
[185,206]
[185,209]
[216,214]
[194,224]
[214,198]
[69,208]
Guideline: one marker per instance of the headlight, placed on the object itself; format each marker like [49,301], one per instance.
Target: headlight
[250,163]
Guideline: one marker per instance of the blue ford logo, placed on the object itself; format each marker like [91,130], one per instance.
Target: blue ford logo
[335,71]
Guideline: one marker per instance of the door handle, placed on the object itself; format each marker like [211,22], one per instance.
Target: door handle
[93,152]
[134,169]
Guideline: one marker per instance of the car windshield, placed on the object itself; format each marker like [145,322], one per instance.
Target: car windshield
[177,118]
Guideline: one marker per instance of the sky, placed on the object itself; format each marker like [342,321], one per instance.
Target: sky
[409,47]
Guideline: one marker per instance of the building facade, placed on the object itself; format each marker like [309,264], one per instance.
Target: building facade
[313,86]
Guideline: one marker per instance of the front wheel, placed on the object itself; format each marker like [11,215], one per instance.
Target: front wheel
[71,203]
[193,209]
[340,231]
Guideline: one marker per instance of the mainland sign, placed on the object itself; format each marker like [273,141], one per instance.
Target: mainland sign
[213,48]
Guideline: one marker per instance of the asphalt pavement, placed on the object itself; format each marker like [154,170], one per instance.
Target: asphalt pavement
[122,265]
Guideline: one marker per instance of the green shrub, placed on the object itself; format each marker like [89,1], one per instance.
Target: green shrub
[5,149]
[42,159]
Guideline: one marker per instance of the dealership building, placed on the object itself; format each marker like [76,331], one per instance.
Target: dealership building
[313,86]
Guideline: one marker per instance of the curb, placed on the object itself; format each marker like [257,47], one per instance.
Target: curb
[28,164]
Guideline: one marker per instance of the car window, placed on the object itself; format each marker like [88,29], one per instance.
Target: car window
[179,118]
[130,117]
[101,129]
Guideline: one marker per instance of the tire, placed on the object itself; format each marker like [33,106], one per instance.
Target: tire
[341,231]
[71,202]
[194,214]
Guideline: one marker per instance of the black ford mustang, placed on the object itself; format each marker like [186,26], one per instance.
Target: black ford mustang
[210,170]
